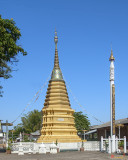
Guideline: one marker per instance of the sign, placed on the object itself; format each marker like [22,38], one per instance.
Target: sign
[60,119]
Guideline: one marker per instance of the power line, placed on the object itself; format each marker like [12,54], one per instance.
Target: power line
[35,96]
[76,100]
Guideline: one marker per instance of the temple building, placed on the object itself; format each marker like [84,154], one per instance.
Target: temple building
[58,120]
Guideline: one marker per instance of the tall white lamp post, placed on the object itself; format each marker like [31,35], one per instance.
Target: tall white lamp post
[112,101]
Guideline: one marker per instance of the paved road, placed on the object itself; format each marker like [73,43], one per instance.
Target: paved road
[63,156]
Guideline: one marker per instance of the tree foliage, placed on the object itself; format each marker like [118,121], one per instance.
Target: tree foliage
[17,130]
[32,121]
[81,121]
[9,49]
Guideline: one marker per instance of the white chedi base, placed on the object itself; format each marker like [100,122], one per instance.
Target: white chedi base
[53,148]
[35,148]
[30,151]
[42,149]
[20,152]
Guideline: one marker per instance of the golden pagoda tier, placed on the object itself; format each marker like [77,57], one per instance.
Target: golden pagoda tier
[58,120]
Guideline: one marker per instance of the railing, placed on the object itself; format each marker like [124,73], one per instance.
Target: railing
[27,146]
[32,147]
[106,144]
[92,146]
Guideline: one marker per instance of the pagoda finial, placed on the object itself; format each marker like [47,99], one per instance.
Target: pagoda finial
[56,73]
[111,57]
[56,39]
[56,61]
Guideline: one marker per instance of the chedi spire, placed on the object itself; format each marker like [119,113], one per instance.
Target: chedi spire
[56,73]
[56,60]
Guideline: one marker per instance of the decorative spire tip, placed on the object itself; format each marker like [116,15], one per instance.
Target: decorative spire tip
[56,38]
[111,57]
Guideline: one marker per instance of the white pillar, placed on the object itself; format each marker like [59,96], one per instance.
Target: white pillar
[109,142]
[125,150]
[113,144]
[119,133]
[20,137]
[116,144]
[101,143]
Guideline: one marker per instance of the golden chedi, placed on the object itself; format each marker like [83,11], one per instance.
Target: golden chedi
[58,119]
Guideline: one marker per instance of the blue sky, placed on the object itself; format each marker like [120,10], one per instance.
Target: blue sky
[86,29]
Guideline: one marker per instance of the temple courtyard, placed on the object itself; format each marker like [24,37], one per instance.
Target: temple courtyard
[74,155]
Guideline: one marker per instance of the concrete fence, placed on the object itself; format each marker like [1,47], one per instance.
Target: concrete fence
[30,147]
[92,146]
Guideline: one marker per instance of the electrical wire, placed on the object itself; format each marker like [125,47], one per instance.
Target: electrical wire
[76,100]
[35,96]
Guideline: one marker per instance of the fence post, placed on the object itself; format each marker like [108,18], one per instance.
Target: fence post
[109,144]
[101,143]
[124,144]
[116,144]
[113,144]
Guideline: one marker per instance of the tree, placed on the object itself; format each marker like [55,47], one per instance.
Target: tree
[32,121]
[81,121]
[9,49]
[16,131]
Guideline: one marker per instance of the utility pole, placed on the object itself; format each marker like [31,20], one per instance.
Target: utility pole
[0,127]
[12,135]
[6,133]
[119,125]
[23,135]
